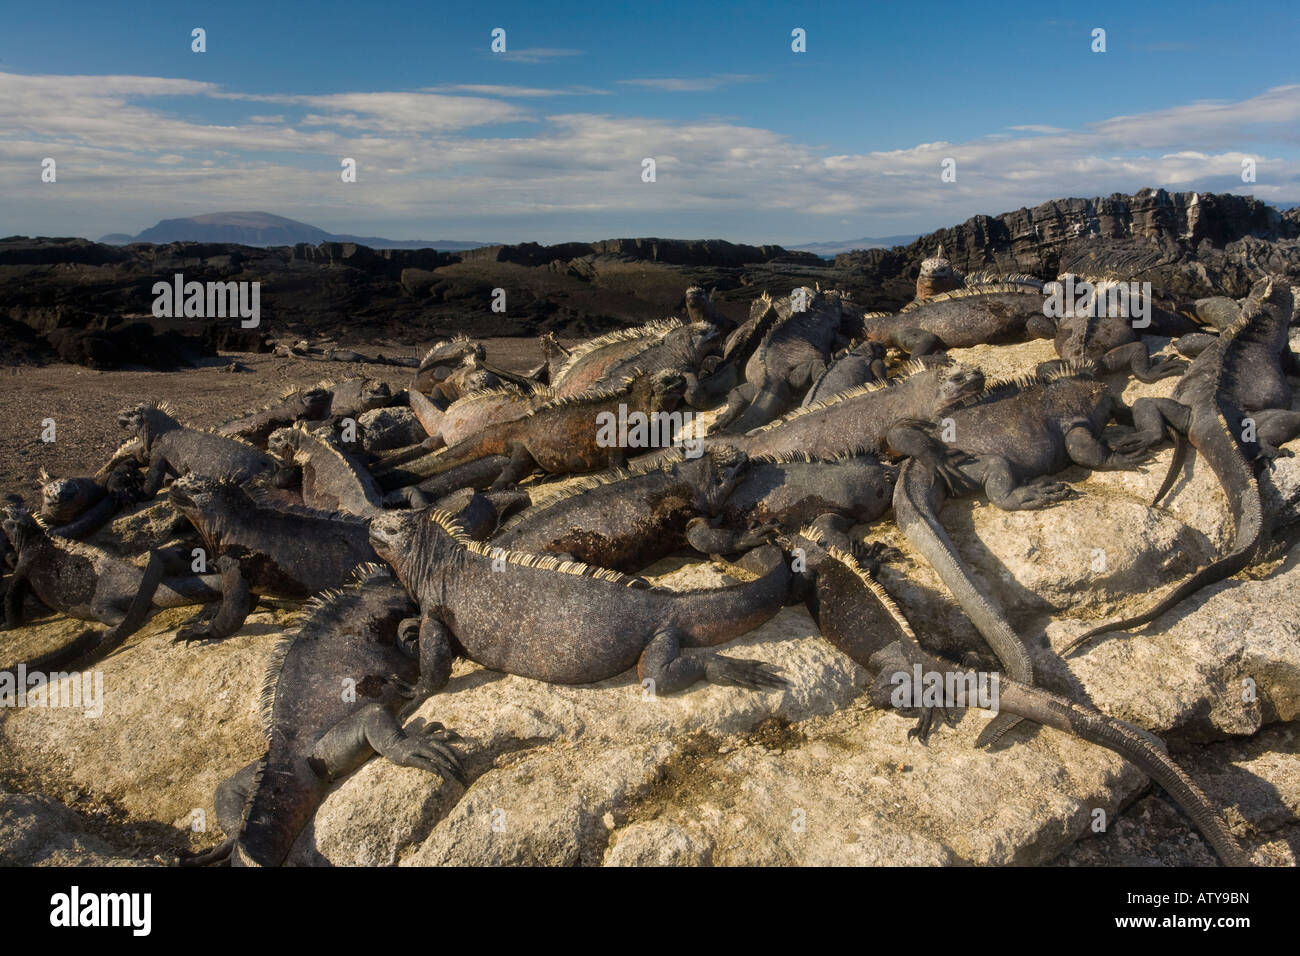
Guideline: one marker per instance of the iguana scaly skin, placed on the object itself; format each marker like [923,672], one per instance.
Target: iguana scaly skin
[295,405]
[353,397]
[787,492]
[314,733]
[170,448]
[77,507]
[960,319]
[791,355]
[700,309]
[88,584]
[855,614]
[441,360]
[626,520]
[291,552]
[1016,434]
[331,480]
[563,436]
[564,622]
[1234,406]
[593,361]
[1094,330]
[681,349]
[862,363]
[862,419]
[466,416]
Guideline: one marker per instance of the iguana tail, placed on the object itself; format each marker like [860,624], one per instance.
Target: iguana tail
[1237,477]
[916,501]
[1175,465]
[1133,744]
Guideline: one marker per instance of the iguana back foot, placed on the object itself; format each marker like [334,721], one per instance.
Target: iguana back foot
[668,672]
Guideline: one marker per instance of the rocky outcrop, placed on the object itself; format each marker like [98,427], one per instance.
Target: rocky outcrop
[1188,245]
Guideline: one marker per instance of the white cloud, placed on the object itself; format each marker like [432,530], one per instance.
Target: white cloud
[686,84]
[430,157]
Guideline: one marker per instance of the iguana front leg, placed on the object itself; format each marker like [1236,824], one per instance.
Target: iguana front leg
[521,465]
[159,470]
[661,663]
[916,342]
[1274,427]
[237,602]
[228,801]
[1002,490]
[372,729]
[18,587]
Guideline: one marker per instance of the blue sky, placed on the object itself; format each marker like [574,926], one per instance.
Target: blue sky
[752,141]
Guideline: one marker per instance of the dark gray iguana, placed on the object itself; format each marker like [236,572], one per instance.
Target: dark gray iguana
[314,733]
[1017,434]
[311,404]
[170,448]
[976,315]
[1234,406]
[77,507]
[1096,329]
[862,363]
[568,623]
[787,492]
[809,326]
[85,583]
[626,520]
[331,479]
[856,615]
[282,551]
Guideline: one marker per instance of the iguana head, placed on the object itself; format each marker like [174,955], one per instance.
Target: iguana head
[725,467]
[21,526]
[62,499]
[198,495]
[148,420]
[667,388]
[393,535]
[314,403]
[959,381]
[283,444]
[375,394]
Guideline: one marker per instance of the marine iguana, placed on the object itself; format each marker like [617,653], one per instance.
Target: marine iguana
[569,623]
[936,276]
[681,349]
[77,507]
[1017,434]
[311,404]
[858,617]
[441,360]
[863,419]
[314,733]
[862,363]
[563,436]
[808,327]
[464,417]
[1094,329]
[1234,406]
[353,397]
[170,448]
[626,520]
[331,479]
[282,551]
[786,492]
[975,315]
[595,361]
[88,584]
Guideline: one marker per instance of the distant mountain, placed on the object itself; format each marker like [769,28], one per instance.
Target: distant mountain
[264,229]
[831,249]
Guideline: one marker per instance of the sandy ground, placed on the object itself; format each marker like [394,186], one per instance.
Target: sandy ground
[83,402]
